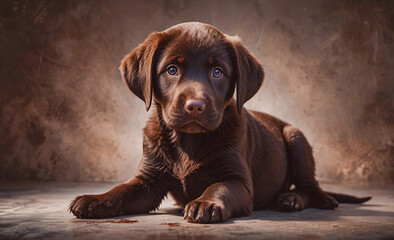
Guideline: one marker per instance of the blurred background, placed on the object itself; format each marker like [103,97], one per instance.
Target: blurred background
[65,114]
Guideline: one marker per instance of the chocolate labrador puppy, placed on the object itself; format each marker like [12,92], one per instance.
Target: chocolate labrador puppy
[215,158]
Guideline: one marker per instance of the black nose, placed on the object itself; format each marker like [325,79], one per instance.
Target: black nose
[195,107]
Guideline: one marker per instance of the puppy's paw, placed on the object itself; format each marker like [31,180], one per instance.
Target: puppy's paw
[322,200]
[290,202]
[91,206]
[200,211]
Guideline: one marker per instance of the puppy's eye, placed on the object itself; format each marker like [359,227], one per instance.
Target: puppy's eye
[217,73]
[172,70]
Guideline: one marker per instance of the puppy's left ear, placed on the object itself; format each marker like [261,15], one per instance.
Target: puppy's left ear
[138,69]
[249,73]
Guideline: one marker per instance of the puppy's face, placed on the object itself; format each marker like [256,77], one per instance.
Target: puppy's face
[191,71]
[194,82]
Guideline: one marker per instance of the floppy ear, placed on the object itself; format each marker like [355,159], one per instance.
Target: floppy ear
[249,73]
[139,67]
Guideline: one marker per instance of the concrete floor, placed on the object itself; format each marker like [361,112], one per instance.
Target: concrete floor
[38,210]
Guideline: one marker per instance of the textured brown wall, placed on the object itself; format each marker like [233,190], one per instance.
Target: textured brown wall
[66,115]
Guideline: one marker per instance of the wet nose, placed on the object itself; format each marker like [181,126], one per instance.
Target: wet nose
[195,107]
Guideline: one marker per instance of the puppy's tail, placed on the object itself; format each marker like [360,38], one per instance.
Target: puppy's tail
[343,198]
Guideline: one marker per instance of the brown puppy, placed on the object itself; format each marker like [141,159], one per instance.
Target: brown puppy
[216,159]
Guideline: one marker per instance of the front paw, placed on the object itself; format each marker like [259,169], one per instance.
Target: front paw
[290,202]
[200,211]
[92,206]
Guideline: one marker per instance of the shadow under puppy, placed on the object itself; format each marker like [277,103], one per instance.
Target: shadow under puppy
[214,157]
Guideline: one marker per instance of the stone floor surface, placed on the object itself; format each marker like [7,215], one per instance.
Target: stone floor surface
[38,210]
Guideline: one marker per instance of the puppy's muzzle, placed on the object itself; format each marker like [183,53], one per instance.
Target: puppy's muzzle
[195,107]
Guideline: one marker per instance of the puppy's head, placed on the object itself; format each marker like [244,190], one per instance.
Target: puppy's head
[191,71]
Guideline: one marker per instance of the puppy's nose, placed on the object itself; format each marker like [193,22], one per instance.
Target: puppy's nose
[195,107]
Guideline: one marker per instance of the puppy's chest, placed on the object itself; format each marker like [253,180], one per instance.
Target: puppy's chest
[195,177]
[184,166]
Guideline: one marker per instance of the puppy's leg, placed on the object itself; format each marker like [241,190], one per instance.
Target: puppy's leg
[302,167]
[132,197]
[219,202]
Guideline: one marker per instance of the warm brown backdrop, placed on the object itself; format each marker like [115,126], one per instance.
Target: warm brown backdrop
[66,115]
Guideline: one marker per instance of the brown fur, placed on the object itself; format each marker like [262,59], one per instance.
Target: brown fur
[216,159]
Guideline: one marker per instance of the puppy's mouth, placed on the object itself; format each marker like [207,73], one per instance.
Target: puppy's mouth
[185,123]
[192,126]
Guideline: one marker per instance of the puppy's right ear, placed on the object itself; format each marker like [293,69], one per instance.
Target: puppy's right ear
[249,73]
[138,69]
